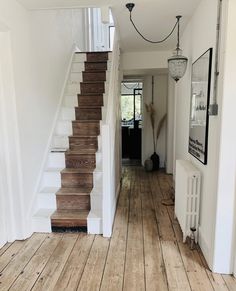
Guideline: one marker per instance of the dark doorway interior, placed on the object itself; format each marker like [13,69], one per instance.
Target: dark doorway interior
[131,107]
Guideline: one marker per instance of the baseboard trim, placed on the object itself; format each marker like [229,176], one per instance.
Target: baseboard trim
[204,248]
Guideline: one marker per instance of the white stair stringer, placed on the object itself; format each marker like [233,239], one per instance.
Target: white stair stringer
[94,220]
[51,176]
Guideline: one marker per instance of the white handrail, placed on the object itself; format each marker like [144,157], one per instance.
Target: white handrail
[110,132]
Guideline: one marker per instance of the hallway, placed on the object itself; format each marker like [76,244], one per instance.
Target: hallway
[145,252]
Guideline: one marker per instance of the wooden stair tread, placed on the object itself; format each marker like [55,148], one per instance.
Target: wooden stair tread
[92,82]
[85,121]
[74,191]
[96,61]
[90,94]
[88,107]
[81,152]
[83,136]
[95,72]
[77,171]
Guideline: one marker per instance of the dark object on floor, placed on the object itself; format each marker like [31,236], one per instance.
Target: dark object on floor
[156,161]
[69,229]
[148,164]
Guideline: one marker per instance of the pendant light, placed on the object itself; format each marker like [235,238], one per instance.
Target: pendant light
[177,64]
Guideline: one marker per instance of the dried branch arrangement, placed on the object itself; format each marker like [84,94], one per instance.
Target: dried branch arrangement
[152,114]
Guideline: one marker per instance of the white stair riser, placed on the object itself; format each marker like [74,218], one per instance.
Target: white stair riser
[46,201]
[97,179]
[105,100]
[56,160]
[104,110]
[60,142]
[68,113]
[94,225]
[51,179]
[73,89]
[99,160]
[41,224]
[96,202]
[80,58]
[64,128]
[71,101]
[77,67]
[99,142]
[106,87]
[108,66]
[75,78]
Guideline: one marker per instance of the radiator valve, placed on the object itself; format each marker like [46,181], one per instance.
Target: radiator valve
[192,237]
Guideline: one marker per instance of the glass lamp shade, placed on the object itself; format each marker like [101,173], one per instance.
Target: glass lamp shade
[177,65]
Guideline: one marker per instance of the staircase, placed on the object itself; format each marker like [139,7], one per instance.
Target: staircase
[73,177]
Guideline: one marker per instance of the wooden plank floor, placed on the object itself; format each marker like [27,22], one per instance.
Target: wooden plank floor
[145,252]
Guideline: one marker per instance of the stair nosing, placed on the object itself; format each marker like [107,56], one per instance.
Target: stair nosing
[77,152]
[92,82]
[77,170]
[90,94]
[87,121]
[82,136]
[79,193]
[88,107]
[100,62]
[95,71]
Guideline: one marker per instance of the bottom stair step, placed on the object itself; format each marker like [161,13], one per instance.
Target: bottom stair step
[69,218]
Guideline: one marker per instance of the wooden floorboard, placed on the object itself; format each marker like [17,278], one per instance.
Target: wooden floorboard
[70,277]
[4,248]
[93,271]
[33,269]
[146,251]
[114,269]
[134,276]
[51,273]
[18,263]
[10,253]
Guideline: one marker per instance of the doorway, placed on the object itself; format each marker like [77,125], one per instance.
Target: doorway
[131,112]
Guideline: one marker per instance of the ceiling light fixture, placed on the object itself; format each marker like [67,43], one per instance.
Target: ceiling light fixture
[177,64]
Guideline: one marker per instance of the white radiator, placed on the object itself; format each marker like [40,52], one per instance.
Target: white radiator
[187,197]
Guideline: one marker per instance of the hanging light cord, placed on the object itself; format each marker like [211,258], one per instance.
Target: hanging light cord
[152,41]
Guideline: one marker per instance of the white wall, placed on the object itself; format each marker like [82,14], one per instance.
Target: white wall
[40,48]
[144,60]
[54,33]
[224,239]
[199,36]
[16,85]
[170,126]
[160,104]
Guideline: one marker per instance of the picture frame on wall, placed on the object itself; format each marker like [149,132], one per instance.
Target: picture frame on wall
[200,99]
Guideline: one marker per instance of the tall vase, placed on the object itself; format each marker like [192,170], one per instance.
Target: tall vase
[148,164]
[155,161]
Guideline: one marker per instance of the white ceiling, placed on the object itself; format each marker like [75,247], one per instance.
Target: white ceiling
[155,18]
